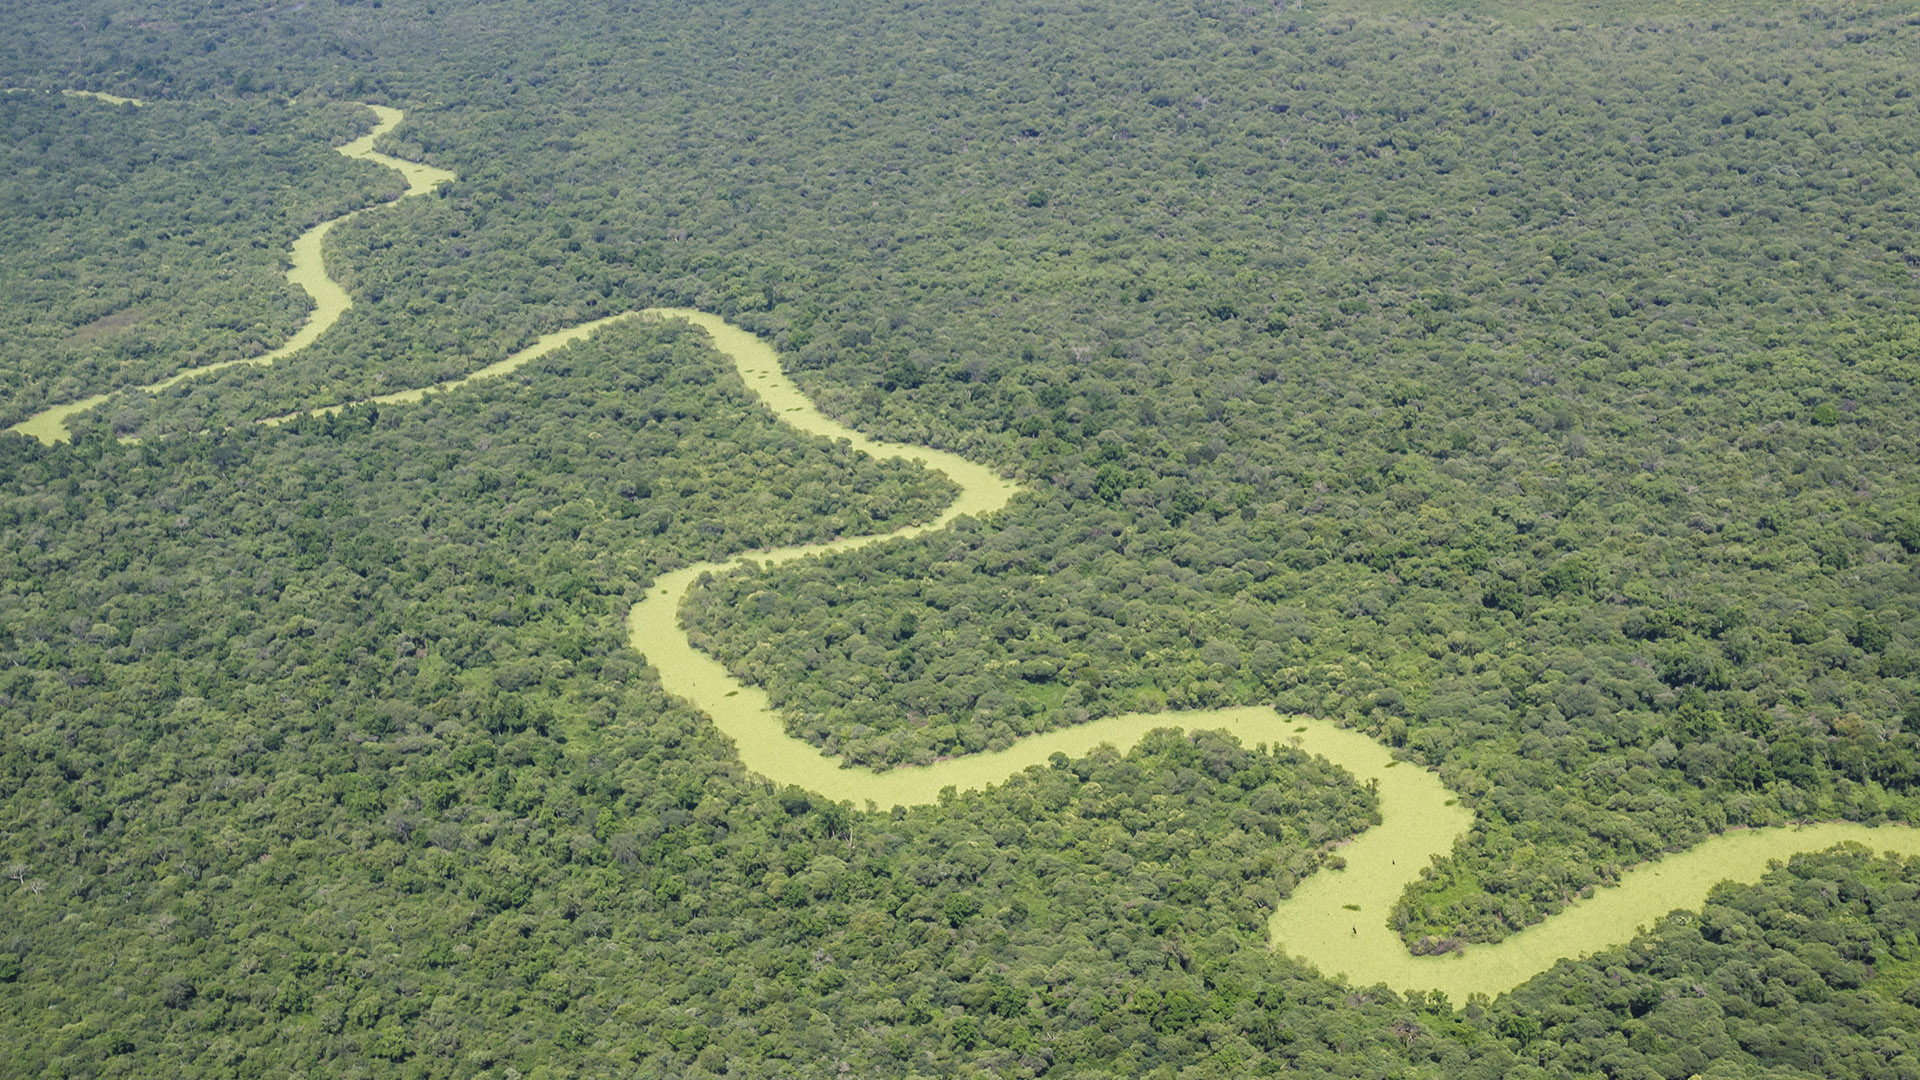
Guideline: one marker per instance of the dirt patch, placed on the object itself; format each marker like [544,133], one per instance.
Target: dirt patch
[107,324]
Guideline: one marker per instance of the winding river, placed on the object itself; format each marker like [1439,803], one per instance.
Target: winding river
[309,271]
[1334,920]
[111,99]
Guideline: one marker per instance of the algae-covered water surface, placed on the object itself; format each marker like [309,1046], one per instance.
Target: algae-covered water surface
[1335,919]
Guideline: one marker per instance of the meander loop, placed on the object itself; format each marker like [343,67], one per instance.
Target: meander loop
[1335,919]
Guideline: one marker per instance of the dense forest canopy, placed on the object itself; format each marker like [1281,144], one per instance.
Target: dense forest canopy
[1531,387]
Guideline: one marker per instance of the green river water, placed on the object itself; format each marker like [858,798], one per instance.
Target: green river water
[1335,919]
[111,99]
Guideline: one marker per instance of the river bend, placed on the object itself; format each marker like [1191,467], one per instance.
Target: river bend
[1335,919]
